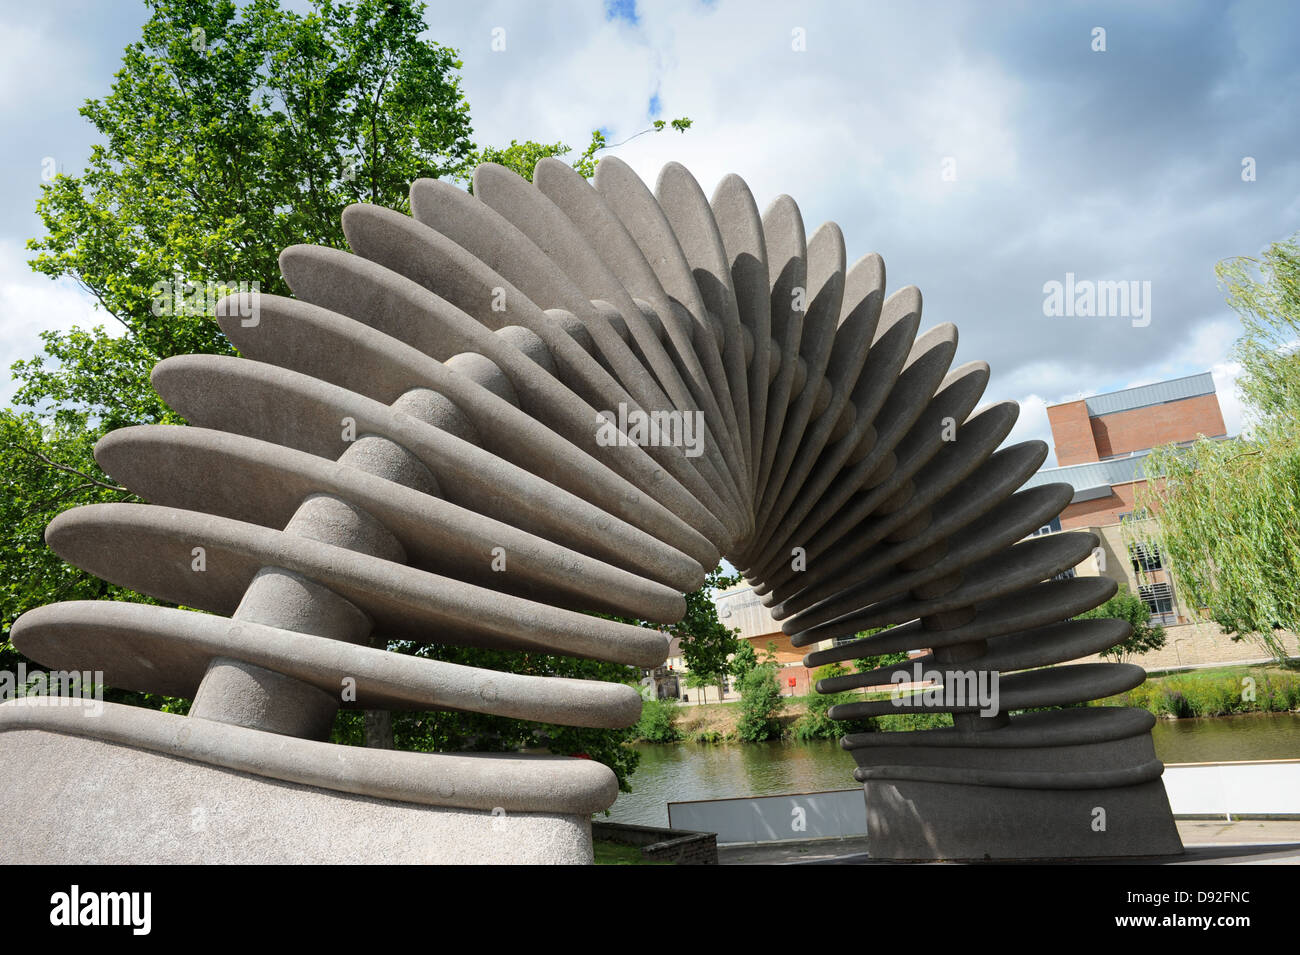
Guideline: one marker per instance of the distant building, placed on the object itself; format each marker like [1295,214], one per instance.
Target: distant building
[738,609]
[667,677]
[1102,444]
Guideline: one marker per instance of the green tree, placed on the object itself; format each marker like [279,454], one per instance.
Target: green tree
[1126,605]
[816,722]
[658,722]
[1227,513]
[760,704]
[743,660]
[707,646]
[866,664]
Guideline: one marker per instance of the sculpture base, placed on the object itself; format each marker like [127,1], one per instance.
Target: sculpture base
[75,800]
[911,820]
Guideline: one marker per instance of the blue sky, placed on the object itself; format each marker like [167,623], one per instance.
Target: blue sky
[983,150]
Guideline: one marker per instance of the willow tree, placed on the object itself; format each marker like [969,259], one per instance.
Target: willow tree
[1227,513]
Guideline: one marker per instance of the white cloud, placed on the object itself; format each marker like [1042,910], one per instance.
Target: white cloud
[1225,383]
[31,303]
[1032,424]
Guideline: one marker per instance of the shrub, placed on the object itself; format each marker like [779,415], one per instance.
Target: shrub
[658,723]
[905,722]
[1172,702]
[760,702]
[707,736]
[816,722]
[867,664]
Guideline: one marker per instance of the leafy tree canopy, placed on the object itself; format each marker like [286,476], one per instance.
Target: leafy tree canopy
[707,645]
[1227,513]
[1126,605]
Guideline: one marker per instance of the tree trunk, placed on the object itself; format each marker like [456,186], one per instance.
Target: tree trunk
[378,724]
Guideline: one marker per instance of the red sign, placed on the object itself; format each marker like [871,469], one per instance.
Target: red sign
[791,681]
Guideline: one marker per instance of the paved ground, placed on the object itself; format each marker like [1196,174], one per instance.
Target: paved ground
[1208,842]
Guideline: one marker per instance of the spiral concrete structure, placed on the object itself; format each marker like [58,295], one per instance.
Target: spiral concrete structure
[509,410]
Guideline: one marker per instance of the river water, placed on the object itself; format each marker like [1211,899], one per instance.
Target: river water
[678,772]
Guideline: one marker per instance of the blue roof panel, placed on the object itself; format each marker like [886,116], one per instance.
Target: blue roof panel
[1093,474]
[1162,391]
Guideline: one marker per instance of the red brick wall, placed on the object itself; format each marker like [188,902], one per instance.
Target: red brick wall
[1102,510]
[1072,433]
[1143,428]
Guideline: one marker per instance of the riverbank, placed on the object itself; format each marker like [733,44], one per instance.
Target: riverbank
[1227,691]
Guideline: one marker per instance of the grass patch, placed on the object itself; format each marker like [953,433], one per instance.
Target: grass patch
[1217,692]
[618,853]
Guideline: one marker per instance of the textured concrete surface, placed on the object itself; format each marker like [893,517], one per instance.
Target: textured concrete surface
[515,782]
[137,806]
[417,446]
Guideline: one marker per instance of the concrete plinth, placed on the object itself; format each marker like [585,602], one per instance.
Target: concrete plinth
[84,801]
[926,820]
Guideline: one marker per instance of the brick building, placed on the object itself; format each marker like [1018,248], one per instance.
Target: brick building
[1101,444]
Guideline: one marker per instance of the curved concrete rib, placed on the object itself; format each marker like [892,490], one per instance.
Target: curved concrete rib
[787,266]
[741,229]
[863,296]
[634,204]
[824,295]
[307,339]
[696,231]
[195,468]
[230,394]
[1035,606]
[1051,686]
[1007,571]
[150,549]
[1041,647]
[160,650]
[509,781]
[546,225]
[419,447]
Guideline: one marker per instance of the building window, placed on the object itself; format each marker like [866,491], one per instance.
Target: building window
[1160,598]
[1067,574]
[1145,556]
[1137,514]
[841,641]
[1050,528]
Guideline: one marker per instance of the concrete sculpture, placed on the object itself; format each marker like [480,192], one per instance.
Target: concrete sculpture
[508,409]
